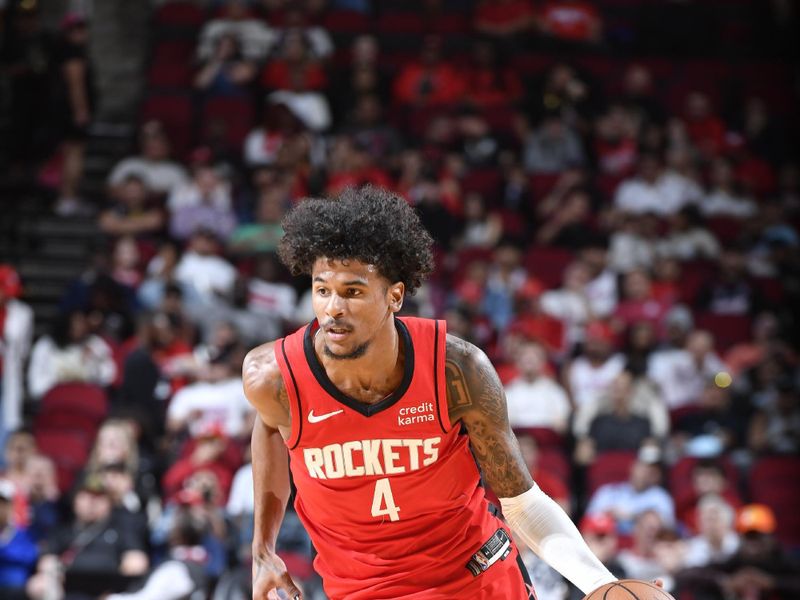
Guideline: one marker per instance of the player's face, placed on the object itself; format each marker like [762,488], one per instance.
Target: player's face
[352,302]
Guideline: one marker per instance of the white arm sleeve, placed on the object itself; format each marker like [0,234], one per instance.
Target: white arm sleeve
[548,531]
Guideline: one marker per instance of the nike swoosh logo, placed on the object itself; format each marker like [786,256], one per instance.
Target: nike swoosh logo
[312,418]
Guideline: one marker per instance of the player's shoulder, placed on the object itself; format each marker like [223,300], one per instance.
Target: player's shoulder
[260,369]
[464,354]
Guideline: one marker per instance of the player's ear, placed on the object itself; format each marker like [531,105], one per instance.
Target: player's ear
[394,295]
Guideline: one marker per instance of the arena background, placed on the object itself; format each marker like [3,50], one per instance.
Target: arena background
[613,188]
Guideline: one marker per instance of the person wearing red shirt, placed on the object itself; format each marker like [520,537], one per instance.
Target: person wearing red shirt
[295,70]
[429,81]
[488,84]
[571,20]
[503,18]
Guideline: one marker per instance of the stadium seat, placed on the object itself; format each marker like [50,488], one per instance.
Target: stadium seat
[487,182]
[174,110]
[69,450]
[84,399]
[169,75]
[728,330]
[180,14]
[609,467]
[774,481]
[548,264]
[173,51]
[555,461]
[235,114]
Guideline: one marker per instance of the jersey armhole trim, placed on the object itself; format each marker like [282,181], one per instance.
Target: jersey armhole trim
[294,399]
[439,374]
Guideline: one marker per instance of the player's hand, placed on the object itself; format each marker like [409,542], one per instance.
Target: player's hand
[270,576]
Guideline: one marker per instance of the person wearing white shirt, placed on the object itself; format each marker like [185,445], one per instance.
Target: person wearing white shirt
[203,271]
[591,374]
[16,334]
[717,540]
[682,374]
[601,290]
[153,166]
[534,399]
[655,190]
[570,303]
[723,200]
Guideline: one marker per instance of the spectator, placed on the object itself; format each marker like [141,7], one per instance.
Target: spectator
[705,129]
[204,472]
[42,497]
[642,492]
[364,75]
[602,287]
[626,415]
[296,19]
[506,277]
[205,203]
[600,533]
[506,19]
[645,558]
[182,575]
[368,129]
[765,341]
[729,291]
[688,239]
[616,135]
[294,68]
[97,552]
[716,540]
[569,224]
[18,553]
[534,398]
[776,427]
[633,244]
[591,373]
[489,81]
[18,450]
[264,143]
[552,147]
[655,190]
[126,268]
[639,94]
[132,213]
[570,303]
[430,81]
[70,353]
[153,166]
[482,227]
[16,334]
[217,402]
[532,322]
[226,72]
[639,303]
[640,343]
[713,422]
[72,105]
[202,270]
[758,569]
[570,21]
[708,477]
[681,374]
[267,294]
[235,19]
[725,199]
[264,234]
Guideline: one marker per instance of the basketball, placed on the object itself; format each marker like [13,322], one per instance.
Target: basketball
[629,589]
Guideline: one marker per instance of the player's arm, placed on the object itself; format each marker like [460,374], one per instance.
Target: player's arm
[264,388]
[476,398]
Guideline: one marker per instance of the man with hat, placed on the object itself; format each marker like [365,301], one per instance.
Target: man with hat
[16,333]
[759,570]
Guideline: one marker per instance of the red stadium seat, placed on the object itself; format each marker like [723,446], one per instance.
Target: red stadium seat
[772,289]
[169,75]
[553,460]
[235,114]
[84,399]
[173,51]
[69,450]
[694,274]
[487,182]
[728,330]
[774,481]
[180,14]
[609,467]
[346,21]
[726,229]
[548,264]
[174,110]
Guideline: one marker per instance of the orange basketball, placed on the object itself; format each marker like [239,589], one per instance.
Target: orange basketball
[629,589]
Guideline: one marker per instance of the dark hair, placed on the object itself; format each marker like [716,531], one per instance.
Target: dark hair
[369,224]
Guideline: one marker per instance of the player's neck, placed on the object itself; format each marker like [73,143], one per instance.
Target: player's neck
[373,376]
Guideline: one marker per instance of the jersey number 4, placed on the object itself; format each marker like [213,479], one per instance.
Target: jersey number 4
[383,501]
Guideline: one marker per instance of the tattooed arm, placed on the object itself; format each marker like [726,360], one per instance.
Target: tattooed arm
[264,388]
[476,398]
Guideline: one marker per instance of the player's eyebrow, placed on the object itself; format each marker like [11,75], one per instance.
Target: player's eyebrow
[353,282]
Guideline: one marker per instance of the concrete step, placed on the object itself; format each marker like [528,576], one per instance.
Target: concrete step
[74,227]
[31,269]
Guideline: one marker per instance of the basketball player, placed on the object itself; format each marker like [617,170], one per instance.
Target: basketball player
[383,419]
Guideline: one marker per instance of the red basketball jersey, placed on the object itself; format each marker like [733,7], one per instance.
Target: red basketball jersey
[390,492]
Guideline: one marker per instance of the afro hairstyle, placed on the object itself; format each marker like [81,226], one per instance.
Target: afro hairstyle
[367,224]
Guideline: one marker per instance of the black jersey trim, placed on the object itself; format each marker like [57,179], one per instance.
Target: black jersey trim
[436,375]
[365,409]
[296,394]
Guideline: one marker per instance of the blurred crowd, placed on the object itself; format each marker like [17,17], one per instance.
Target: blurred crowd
[619,235]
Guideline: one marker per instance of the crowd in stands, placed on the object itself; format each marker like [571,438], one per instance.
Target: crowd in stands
[618,232]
